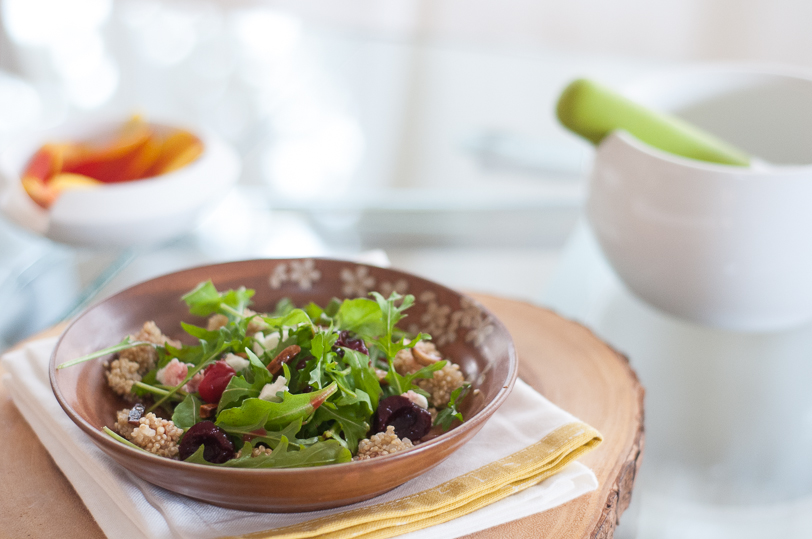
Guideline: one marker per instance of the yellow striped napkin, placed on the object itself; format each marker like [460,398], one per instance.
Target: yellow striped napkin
[520,463]
[454,498]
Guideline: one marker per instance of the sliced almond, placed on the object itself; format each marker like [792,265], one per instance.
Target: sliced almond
[423,358]
[207,410]
[283,357]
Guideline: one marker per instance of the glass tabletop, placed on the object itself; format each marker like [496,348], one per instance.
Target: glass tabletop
[445,153]
[43,282]
[728,415]
[444,158]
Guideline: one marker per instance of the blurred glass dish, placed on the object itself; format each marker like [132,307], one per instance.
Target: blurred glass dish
[141,212]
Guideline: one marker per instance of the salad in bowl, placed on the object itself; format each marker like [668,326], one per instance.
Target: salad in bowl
[283,384]
[296,387]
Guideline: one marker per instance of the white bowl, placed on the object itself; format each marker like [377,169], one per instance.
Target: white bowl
[125,214]
[718,245]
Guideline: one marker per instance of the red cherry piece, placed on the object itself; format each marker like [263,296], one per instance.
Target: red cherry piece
[217,448]
[410,420]
[215,379]
[353,344]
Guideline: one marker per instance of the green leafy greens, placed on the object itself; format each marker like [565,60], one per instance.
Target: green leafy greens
[313,409]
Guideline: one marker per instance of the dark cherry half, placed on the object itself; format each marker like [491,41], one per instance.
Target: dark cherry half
[353,344]
[410,420]
[217,448]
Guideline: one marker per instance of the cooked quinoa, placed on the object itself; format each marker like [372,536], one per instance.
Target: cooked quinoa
[442,383]
[408,408]
[133,363]
[122,374]
[258,451]
[405,362]
[383,443]
[217,321]
[145,356]
[156,435]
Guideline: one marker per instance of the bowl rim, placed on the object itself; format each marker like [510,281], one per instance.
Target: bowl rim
[695,72]
[109,445]
[634,146]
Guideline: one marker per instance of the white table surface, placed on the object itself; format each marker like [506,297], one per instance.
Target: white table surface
[728,415]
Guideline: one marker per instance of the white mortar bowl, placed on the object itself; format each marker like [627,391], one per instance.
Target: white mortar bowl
[725,246]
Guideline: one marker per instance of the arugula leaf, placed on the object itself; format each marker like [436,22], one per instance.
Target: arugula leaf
[121,439]
[361,316]
[275,414]
[331,309]
[313,311]
[185,354]
[123,345]
[291,319]
[392,314]
[205,300]
[258,434]
[398,384]
[237,390]
[446,416]
[140,388]
[283,307]
[286,372]
[200,333]
[351,420]
[364,375]
[259,372]
[149,379]
[356,397]
[321,346]
[187,413]
[319,454]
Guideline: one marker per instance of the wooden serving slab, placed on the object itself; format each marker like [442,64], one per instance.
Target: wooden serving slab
[561,359]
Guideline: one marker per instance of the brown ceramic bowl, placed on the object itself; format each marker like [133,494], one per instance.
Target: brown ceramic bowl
[462,329]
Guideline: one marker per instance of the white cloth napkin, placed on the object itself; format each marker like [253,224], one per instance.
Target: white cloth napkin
[127,507]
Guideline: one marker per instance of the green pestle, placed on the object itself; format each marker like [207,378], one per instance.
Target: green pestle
[593,111]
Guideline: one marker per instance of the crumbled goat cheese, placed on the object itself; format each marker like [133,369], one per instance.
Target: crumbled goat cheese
[417,398]
[441,384]
[263,342]
[156,435]
[383,443]
[236,362]
[193,384]
[269,391]
[173,373]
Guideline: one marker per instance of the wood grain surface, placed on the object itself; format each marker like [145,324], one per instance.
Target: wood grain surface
[561,359]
